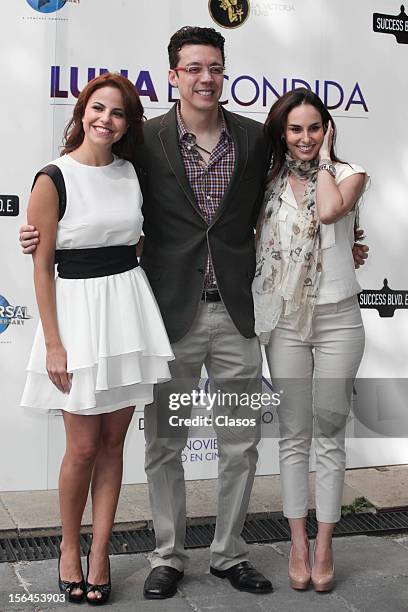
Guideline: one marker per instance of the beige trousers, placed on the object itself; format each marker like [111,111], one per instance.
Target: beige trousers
[233,364]
[316,379]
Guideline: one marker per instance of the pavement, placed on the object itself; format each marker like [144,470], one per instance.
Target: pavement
[371,572]
[371,576]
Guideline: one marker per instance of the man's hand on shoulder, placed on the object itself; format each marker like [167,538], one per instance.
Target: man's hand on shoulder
[29,238]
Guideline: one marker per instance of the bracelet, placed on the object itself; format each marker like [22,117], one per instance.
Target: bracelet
[329,167]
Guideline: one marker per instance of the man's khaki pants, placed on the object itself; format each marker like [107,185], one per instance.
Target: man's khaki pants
[233,364]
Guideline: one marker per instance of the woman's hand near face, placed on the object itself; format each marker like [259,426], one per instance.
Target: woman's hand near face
[327,143]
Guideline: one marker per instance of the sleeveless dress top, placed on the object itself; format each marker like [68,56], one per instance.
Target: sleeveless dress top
[110,325]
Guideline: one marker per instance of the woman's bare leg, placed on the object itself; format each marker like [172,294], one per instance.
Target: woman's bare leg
[105,487]
[82,440]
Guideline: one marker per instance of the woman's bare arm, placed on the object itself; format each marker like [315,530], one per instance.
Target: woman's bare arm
[43,214]
[335,201]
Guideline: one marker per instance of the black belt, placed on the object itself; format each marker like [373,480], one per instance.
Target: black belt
[93,263]
[210,295]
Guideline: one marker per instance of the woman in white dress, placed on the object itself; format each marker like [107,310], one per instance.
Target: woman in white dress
[307,316]
[101,343]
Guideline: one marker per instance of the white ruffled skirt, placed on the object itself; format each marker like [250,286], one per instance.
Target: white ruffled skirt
[116,343]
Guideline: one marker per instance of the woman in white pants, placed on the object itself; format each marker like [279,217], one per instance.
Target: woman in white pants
[307,315]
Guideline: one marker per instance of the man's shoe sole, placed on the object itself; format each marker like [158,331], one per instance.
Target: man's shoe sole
[157,596]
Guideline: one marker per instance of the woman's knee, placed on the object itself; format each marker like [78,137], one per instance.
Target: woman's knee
[112,442]
[83,453]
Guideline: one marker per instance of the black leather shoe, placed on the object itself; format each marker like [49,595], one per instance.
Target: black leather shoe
[161,583]
[244,577]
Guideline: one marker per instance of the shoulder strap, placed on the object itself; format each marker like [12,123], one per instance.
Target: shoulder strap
[57,178]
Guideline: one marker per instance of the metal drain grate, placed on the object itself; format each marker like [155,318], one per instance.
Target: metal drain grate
[274,529]
[198,536]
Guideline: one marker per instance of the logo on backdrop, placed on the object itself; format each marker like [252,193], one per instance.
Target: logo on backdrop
[229,13]
[47,6]
[392,24]
[11,315]
[67,81]
[267,9]
[385,300]
[9,205]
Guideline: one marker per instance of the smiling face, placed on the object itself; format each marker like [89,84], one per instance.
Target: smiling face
[198,92]
[104,119]
[304,133]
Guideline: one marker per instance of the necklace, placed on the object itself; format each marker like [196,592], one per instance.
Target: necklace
[202,148]
[191,141]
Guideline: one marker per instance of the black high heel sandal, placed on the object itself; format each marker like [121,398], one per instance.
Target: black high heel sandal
[66,587]
[103,589]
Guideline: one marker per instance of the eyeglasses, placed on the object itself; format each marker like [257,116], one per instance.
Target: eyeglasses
[196,69]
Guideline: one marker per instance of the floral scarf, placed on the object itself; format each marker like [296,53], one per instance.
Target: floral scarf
[288,286]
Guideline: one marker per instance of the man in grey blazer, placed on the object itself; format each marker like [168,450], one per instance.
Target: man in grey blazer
[202,172]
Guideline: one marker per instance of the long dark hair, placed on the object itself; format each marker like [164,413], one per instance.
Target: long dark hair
[125,147]
[275,124]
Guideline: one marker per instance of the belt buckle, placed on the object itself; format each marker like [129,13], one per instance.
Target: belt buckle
[209,293]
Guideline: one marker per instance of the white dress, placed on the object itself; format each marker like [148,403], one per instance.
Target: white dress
[110,326]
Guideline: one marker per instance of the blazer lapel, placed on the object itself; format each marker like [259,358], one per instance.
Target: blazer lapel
[240,138]
[168,136]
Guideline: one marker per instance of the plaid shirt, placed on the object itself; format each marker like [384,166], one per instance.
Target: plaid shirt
[208,181]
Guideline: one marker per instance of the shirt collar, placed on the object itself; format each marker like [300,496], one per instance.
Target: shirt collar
[183,133]
[288,196]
